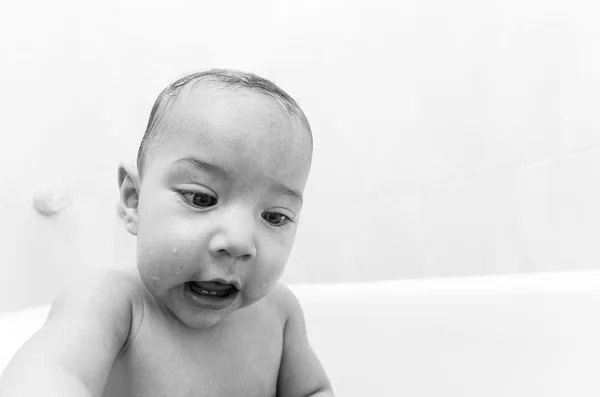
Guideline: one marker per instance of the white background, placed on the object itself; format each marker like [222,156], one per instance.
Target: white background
[451,137]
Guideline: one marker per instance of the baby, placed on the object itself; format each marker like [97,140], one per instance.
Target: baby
[214,202]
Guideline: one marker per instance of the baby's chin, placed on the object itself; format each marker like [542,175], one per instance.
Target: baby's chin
[198,321]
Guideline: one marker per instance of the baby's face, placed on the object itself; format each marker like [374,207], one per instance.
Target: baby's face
[219,203]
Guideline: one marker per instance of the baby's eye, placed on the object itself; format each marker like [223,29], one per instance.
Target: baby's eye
[275,218]
[200,199]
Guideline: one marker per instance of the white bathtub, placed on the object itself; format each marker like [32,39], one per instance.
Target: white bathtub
[518,335]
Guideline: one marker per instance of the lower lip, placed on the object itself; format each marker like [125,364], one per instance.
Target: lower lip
[209,302]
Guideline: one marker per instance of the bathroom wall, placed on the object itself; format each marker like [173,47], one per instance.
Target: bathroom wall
[451,138]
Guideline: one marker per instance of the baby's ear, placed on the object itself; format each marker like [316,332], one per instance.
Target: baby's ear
[129,187]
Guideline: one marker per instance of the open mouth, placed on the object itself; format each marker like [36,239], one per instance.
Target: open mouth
[213,289]
[210,295]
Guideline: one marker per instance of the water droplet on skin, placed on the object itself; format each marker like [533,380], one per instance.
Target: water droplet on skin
[174,250]
[150,253]
[193,225]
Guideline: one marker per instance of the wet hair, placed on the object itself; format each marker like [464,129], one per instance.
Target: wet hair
[225,78]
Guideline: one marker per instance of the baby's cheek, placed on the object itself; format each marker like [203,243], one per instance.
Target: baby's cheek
[156,268]
[168,250]
[165,264]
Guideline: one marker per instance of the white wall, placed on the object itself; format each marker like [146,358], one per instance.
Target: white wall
[451,138]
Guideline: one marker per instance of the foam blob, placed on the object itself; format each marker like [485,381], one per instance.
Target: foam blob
[51,201]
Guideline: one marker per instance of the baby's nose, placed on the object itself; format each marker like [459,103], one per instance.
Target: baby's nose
[234,238]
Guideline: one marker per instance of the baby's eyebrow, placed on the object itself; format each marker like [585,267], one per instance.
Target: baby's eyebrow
[196,163]
[287,191]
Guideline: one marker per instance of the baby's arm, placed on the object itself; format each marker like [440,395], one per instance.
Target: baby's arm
[72,354]
[300,373]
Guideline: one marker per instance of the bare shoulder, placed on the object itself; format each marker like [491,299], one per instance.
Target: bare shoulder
[285,303]
[98,290]
[88,325]
[109,298]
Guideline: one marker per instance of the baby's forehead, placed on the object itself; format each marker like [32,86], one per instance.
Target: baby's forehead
[244,155]
[216,115]
[207,107]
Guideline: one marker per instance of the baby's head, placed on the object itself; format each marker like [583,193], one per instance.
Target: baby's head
[216,196]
